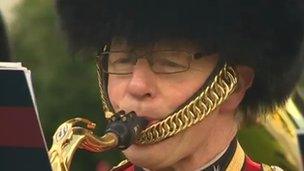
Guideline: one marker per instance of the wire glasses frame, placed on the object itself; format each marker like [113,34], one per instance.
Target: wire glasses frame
[160,62]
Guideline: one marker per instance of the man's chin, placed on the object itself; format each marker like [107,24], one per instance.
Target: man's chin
[151,155]
[139,155]
[149,162]
[144,155]
[138,148]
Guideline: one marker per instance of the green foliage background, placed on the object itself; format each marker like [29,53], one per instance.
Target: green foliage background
[66,85]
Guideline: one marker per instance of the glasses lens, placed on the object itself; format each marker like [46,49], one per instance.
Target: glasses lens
[118,62]
[163,62]
[170,61]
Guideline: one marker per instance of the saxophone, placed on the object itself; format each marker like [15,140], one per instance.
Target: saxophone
[121,132]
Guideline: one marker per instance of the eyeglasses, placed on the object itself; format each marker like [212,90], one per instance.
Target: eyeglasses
[161,62]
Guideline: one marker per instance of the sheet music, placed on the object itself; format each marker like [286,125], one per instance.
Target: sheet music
[27,72]
[10,65]
[18,66]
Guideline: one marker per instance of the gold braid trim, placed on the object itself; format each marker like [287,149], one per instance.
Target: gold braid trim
[215,94]
[105,107]
[270,168]
[237,160]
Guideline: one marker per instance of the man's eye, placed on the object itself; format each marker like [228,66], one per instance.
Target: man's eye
[170,63]
[121,60]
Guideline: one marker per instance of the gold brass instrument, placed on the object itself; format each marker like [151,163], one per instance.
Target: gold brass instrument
[125,129]
[78,133]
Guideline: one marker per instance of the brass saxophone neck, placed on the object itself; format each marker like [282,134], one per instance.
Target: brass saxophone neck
[121,132]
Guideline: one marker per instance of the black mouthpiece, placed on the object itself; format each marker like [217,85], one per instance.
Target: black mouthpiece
[126,127]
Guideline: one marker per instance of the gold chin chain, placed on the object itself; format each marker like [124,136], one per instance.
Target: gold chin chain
[223,84]
[105,107]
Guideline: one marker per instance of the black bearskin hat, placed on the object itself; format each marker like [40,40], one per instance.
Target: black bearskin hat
[266,35]
[4,47]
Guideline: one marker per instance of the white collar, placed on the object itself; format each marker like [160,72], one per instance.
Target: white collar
[213,160]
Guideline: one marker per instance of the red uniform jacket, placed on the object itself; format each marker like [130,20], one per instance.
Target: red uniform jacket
[234,159]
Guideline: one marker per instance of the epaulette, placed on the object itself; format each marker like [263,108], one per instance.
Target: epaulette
[270,168]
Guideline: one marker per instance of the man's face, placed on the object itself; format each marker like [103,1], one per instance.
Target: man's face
[155,96]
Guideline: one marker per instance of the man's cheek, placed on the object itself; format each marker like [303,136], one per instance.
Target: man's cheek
[113,96]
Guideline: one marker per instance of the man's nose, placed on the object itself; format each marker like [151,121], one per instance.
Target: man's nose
[142,83]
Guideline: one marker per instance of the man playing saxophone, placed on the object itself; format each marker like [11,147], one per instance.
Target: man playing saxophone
[193,69]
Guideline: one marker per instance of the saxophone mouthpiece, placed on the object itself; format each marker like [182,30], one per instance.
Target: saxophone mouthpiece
[126,127]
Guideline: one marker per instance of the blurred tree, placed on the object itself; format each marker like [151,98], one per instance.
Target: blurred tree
[65,86]
[260,145]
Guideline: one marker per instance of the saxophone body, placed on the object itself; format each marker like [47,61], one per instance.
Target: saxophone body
[76,133]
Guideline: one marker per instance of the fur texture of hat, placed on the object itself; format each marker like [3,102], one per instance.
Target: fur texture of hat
[266,35]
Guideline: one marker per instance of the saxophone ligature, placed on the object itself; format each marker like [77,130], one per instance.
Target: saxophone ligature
[121,132]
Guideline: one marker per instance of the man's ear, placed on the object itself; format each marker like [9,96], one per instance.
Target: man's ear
[246,76]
